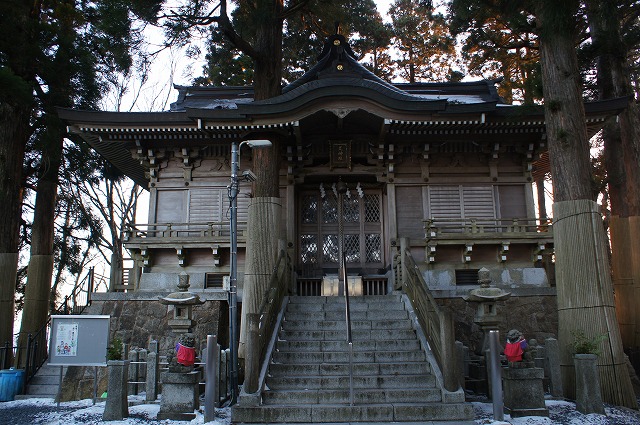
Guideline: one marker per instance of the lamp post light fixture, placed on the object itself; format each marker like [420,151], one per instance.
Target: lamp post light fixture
[234,189]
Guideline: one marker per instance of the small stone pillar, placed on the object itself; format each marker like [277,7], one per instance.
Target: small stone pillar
[153,371]
[117,407]
[134,369]
[523,391]
[152,376]
[552,363]
[180,396]
[588,394]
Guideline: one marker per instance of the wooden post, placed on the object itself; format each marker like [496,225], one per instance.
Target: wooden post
[404,245]
[448,354]
[252,355]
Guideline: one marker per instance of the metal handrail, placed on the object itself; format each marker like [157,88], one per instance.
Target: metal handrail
[37,352]
[348,319]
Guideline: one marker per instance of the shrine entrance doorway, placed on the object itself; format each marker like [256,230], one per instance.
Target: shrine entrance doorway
[318,229]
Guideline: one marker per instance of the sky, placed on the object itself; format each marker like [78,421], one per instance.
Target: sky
[171,67]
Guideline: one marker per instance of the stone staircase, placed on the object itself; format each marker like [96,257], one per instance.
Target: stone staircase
[44,384]
[308,378]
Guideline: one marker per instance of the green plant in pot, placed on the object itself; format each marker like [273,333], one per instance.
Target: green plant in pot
[583,344]
[114,351]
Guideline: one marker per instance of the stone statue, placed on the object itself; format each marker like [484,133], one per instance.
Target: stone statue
[517,350]
[183,359]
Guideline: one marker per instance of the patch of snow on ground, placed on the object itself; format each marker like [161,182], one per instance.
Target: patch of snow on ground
[45,411]
[560,413]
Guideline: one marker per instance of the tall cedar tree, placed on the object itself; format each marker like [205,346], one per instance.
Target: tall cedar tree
[303,34]
[60,51]
[499,41]
[427,48]
[622,135]
[556,26]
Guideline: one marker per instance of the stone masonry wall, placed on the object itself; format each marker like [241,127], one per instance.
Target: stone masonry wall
[136,323]
[535,316]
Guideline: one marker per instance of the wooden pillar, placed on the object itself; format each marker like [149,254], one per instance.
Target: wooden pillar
[585,298]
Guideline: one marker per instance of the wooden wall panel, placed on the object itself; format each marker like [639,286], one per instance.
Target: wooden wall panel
[512,201]
[410,212]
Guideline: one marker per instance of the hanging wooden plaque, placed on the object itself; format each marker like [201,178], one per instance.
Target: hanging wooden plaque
[341,154]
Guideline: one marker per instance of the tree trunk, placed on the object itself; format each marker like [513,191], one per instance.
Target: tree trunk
[622,160]
[40,271]
[264,215]
[585,292]
[564,110]
[14,129]
[621,136]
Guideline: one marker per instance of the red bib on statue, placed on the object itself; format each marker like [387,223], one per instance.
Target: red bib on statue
[186,356]
[513,351]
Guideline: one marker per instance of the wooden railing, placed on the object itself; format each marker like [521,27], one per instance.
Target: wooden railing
[212,229]
[446,227]
[261,326]
[436,323]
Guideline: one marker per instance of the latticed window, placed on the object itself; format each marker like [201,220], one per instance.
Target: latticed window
[309,209]
[373,248]
[352,248]
[351,209]
[329,210]
[330,249]
[372,208]
[309,249]
[318,223]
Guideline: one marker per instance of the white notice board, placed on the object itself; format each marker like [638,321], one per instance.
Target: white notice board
[77,340]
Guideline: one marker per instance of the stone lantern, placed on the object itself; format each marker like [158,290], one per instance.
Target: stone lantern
[487,296]
[180,389]
[182,302]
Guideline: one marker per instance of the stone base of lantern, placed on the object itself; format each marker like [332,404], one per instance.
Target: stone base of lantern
[180,396]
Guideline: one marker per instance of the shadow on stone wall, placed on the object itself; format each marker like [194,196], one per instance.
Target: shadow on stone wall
[136,323]
[535,316]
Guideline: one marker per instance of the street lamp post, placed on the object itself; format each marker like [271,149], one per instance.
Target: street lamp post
[234,189]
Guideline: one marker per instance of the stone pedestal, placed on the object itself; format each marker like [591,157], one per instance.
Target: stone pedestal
[523,392]
[180,396]
[117,408]
[588,394]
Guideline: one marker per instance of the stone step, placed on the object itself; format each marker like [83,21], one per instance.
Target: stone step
[340,335]
[358,345]
[360,396]
[329,325]
[342,382]
[343,357]
[44,380]
[377,306]
[339,413]
[340,315]
[360,299]
[42,390]
[342,369]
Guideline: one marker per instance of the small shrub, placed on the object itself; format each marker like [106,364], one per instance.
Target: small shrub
[114,351]
[582,344]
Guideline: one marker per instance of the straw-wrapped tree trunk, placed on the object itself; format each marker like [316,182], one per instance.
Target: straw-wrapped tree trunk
[585,291]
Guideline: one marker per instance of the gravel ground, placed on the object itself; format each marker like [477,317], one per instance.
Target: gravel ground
[45,411]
